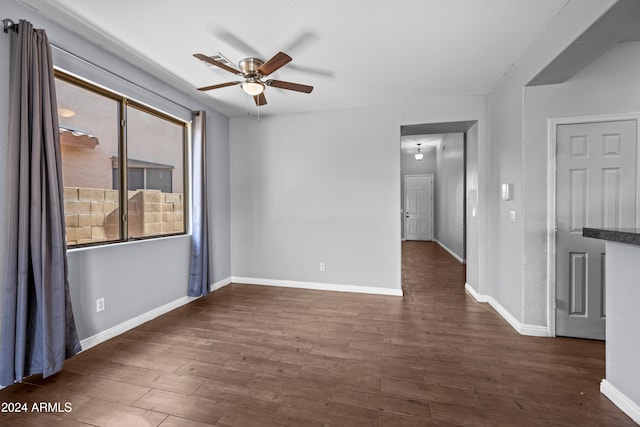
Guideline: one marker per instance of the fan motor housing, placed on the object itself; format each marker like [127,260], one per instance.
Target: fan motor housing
[249,66]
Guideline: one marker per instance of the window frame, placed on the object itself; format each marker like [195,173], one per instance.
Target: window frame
[123,103]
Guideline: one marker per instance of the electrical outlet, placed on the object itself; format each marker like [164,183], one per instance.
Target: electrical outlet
[322,266]
[99,305]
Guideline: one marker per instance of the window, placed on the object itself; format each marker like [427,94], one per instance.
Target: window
[99,132]
[145,175]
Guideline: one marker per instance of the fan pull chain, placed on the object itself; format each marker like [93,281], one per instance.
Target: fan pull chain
[258,111]
[247,111]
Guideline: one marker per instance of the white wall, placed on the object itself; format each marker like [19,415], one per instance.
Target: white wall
[312,188]
[513,277]
[506,265]
[219,196]
[135,277]
[130,282]
[623,324]
[324,187]
[449,193]
[610,85]
[472,245]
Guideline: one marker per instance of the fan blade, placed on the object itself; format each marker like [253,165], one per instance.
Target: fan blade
[218,86]
[260,99]
[205,58]
[274,63]
[290,86]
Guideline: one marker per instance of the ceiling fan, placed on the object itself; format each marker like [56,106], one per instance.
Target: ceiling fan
[253,71]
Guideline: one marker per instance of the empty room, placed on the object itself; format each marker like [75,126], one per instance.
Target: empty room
[178,199]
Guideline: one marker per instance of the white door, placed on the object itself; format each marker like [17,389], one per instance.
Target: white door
[418,203]
[596,187]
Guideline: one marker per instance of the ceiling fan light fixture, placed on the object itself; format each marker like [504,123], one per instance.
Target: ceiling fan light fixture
[253,87]
[251,71]
[418,155]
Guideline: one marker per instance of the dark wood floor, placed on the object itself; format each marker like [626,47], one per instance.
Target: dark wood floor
[265,356]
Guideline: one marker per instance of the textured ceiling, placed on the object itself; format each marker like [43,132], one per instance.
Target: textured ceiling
[355,53]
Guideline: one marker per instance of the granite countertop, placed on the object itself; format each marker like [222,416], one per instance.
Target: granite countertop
[622,235]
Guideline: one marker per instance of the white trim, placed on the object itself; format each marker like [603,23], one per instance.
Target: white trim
[317,286]
[478,297]
[626,405]
[522,329]
[515,323]
[123,327]
[534,330]
[108,245]
[551,197]
[220,284]
[551,231]
[453,254]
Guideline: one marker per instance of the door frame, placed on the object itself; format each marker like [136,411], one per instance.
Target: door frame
[404,202]
[552,125]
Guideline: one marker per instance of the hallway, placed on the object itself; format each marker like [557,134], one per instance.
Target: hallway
[554,381]
[270,356]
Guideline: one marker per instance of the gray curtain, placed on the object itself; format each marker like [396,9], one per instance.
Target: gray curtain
[199,282]
[37,330]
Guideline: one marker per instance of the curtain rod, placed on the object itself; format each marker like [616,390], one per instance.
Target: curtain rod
[86,61]
[9,25]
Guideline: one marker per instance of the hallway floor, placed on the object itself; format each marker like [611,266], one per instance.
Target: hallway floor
[267,356]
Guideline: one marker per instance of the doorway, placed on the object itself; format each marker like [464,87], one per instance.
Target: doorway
[595,186]
[418,207]
[444,149]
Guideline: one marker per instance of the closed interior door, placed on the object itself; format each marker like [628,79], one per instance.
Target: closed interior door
[596,187]
[418,196]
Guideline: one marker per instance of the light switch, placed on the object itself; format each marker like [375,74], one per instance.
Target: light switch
[506,191]
[512,216]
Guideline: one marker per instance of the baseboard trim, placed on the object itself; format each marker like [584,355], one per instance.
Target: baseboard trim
[453,254]
[478,297]
[318,286]
[534,330]
[621,400]
[521,328]
[221,284]
[123,327]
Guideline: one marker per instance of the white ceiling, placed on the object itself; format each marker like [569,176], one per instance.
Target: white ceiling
[355,53]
